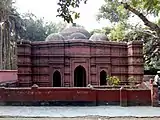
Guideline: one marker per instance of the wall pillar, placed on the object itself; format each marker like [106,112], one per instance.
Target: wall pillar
[135,60]
[24,63]
[123,97]
[154,95]
[2,96]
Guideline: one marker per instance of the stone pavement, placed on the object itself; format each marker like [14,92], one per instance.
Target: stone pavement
[54,111]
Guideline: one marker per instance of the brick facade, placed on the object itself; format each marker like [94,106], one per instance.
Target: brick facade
[37,61]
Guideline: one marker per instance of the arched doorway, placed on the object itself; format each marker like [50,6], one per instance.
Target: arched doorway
[80,77]
[56,79]
[103,76]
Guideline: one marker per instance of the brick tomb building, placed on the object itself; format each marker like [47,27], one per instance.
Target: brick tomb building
[74,58]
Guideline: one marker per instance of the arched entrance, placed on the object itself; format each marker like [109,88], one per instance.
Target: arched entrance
[80,77]
[56,79]
[103,76]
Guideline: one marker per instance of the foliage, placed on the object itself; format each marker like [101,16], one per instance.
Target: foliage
[113,80]
[51,27]
[104,30]
[113,11]
[118,32]
[149,6]
[150,35]
[14,27]
[118,16]
[131,79]
[65,10]
[36,29]
[119,11]
[151,48]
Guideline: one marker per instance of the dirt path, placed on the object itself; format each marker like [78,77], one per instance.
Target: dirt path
[86,118]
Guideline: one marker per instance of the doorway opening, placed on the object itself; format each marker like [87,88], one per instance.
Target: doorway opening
[79,77]
[103,76]
[56,79]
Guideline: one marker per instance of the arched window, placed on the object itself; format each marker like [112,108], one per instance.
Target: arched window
[80,77]
[103,76]
[56,79]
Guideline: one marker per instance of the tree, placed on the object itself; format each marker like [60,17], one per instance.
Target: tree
[66,11]
[10,22]
[54,27]
[113,11]
[119,13]
[118,32]
[140,8]
[151,34]
[10,27]
[36,29]
[150,46]
[147,7]
[104,30]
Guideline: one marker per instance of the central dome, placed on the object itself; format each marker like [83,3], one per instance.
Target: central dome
[68,32]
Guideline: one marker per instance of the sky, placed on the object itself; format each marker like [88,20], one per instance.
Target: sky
[48,10]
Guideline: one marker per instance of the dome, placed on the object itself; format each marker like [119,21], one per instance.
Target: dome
[98,37]
[74,29]
[54,37]
[77,36]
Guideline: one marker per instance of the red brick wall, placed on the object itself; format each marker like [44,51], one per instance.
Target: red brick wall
[47,94]
[64,94]
[132,97]
[108,95]
[8,75]
[139,97]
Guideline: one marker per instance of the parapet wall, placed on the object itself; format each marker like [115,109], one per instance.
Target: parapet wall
[74,96]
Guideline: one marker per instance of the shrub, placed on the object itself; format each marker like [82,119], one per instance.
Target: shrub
[113,80]
[131,80]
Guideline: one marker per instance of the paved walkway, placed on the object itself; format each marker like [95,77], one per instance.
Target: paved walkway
[109,111]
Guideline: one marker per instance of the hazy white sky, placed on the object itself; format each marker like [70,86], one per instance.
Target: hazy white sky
[48,10]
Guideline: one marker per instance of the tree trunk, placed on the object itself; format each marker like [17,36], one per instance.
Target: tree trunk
[15,55]
[1,49]
[8,64]
[4,48]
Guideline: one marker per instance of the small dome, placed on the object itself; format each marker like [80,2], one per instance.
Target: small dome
[69,31]
[77,36]
[98,37]
[54,37]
